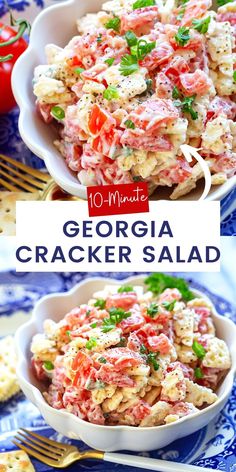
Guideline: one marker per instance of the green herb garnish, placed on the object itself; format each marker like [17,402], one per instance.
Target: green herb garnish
[169,305]
[129,124]
[128,65]
[220,3]
[68,333]
[186,105]
[111,93]
[92,342]
[234,76]
[151,358]
[201,25]
[114,24]
[93,325]
[79,70]
[125,288]
[48,365]
[87,313]
[175,92]
[109,61]
[181,14]
[131,38]
[99,38]
[143,349]
[57,112]
[143,4]
[102,360]
[152,310]
[100,303]
[158,282]
[198,373]
[116,315]
[137,178]
[142,48]
[182,36]
[199,350]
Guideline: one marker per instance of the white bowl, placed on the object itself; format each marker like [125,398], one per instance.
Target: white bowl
[110,438]
[56,24]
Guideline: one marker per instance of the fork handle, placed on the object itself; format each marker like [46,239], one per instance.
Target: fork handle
[150,464]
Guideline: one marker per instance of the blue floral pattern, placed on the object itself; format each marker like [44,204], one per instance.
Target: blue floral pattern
[213,446]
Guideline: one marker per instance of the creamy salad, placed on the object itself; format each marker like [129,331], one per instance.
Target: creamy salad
[133,356]
[140,79]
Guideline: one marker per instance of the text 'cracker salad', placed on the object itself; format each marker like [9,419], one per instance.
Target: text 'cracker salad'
[133,357]
[141,79]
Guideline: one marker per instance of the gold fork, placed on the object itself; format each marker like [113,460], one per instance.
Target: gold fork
[16,176]
[59,455]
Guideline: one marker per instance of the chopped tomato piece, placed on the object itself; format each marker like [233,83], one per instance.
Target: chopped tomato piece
[150,115]
[159,344]
[100,119]
[107,374]
[121,300]
[162,53]
[135,321]
[169,295]
[140,20]
[194,83]
[149,143]
[193,10]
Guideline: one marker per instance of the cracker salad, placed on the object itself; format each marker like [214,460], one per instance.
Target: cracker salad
[139,80]
[133,355]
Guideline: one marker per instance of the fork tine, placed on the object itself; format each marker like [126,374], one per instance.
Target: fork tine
[42,444]
[40,457]
[24,177]
[25,186]
[8,186]
[36,173]
[38,448]
[60,446]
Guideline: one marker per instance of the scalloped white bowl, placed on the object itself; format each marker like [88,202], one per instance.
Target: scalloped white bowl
[110,438]
[56,24]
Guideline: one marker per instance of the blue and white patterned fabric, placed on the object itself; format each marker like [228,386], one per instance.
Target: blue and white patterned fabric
[213,447]
[11,143]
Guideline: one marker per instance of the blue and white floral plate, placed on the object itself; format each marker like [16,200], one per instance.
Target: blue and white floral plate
[214,446]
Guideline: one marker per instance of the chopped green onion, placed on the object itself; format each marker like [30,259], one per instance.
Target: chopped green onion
[199,350]
[88,313]
[182,36]
[128,65]
[100,303]
[143,349]
[102,360]
[202,25]
[234,76]
[92,342]
[79,70]
[151,357]
[58,112]
[109,61]
[152,310]
[116,315]
[68,333]
[137,178]
[125,288]
[131,38]
[93,325]
[169,305]
[149,83]
[175,92]
[114,24]
[198,373]
[111,93]
[48,365]
[129,124]
[143,4]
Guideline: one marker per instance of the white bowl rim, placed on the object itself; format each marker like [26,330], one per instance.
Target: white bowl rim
[63,412]
[73,187]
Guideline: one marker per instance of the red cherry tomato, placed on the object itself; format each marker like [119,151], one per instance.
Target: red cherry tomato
[7,101]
